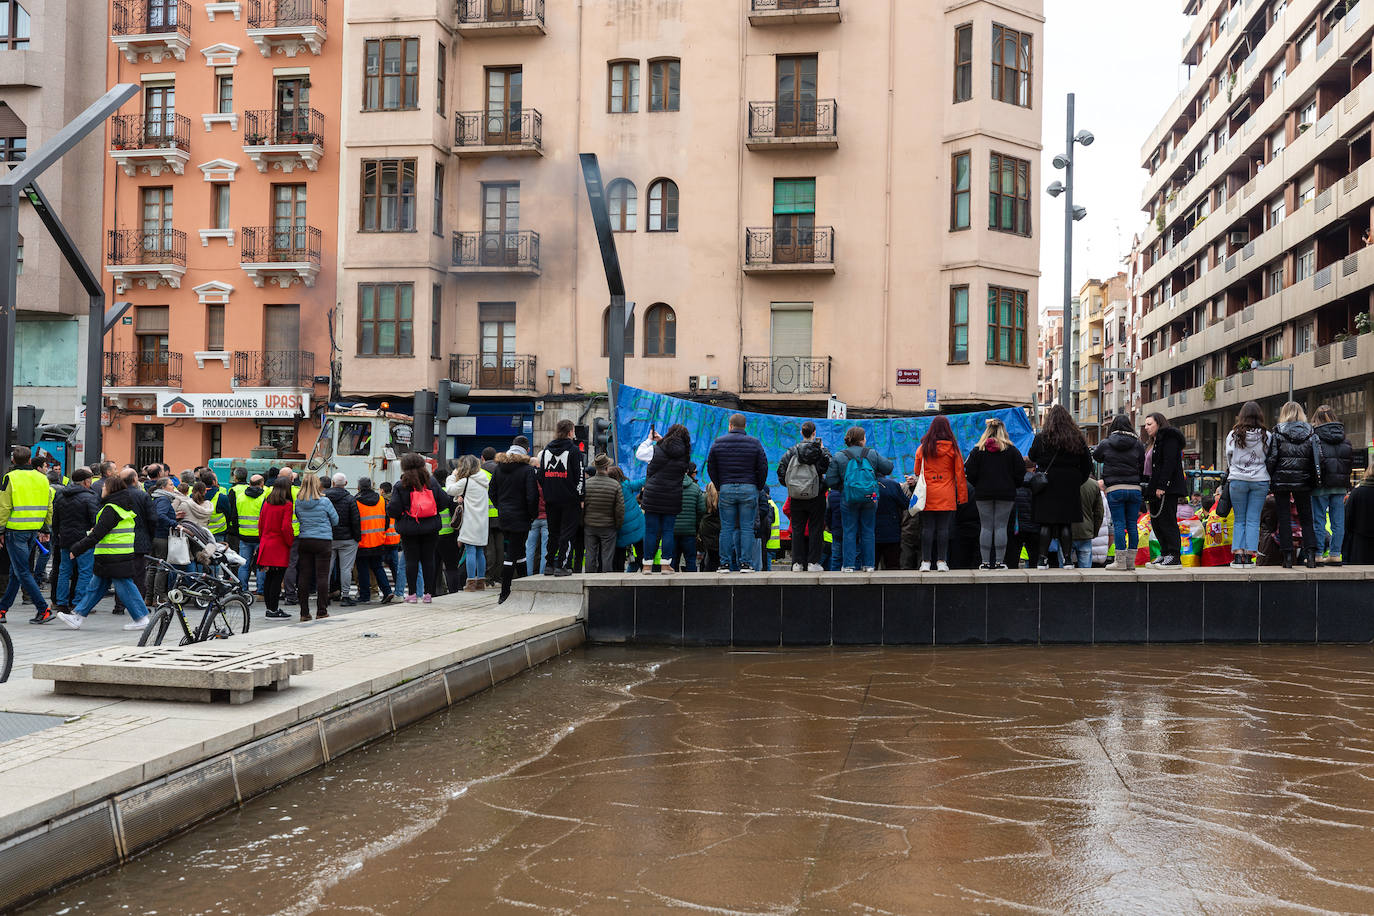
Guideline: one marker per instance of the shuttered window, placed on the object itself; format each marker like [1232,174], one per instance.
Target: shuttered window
[794,195]
[791,331]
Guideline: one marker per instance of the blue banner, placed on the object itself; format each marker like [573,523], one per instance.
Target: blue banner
[898,438]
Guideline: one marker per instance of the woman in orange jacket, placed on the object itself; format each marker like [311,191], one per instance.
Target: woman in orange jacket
[946,488]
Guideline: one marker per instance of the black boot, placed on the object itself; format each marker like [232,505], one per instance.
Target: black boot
[1310,558]
[507,575]
[1288,559]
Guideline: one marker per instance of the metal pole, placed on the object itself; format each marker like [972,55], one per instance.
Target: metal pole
[615,329]
[9,309]
[1068,255]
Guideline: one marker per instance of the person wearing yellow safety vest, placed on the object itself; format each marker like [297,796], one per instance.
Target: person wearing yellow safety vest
[239,476]
[247,509]
[112,538]
[25,513]
[222,501]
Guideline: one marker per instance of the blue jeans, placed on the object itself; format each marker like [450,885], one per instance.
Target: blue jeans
[658,527]
[1124,505]
[391,558]
[21,546]
[369,567]
[685,549]
[858,519]
[536,545]
[75,574]
[1247,501]
[248,549]
[1083,554]
[476,557]
[125,590]
[1330,502]
[739,505]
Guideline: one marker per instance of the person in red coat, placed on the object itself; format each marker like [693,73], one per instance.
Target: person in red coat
[274,548]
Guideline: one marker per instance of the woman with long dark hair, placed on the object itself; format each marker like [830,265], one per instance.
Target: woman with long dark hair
[662,496]
[1123,468]
[942,463]
[995,468]
[1293,474]
[1165,485]
[1247,481]
[1060,453]
[416,503]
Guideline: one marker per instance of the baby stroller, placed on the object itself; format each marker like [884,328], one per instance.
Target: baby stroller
[219,562]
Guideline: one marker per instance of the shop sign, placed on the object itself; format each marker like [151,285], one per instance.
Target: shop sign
[908,376]
[266,404]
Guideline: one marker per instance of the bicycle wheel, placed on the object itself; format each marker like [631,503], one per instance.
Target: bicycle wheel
[156,630]
[227,618]
[6,654]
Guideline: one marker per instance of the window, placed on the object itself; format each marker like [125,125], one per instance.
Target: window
[1274,281]
[440,79]
[438,199]
[497,328]
[214,432]
[14,26]
[606,334]
[1276,77]
[660,331]
[1306,262]
[157,219]
[436,321]
[151,327]
[797,90]
[1307,114]
[1009,195]
[960,190]
[794,220]
[1307,45]
[1275,212]
[214,327]
[388,196]
[663,206]
[1273,347]
[1007,326]
[159,112]
[1276,143]
[1302,338]
[963,63]
[664,78]
[958,324]
[1011,66]
[391,74]
[13,149]
[624,88]
[219,205]
[224,93]
[622,199]
[1307,189]
[385,314]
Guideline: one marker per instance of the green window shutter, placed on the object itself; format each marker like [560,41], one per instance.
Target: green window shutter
[794,195]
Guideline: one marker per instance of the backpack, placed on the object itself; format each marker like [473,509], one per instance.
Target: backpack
[802,480]
[422,504]
[860,482]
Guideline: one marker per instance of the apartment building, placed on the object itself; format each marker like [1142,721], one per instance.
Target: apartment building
[809,197]
[51,68]
[1092,333]
[221,213]
[1048,360]
[1255,273]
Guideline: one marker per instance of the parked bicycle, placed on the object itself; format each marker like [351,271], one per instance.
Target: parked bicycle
[224,612]
[6,653]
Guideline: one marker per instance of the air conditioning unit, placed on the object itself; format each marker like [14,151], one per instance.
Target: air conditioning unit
[1240,238]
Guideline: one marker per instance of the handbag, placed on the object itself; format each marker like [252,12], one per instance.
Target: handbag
[1040,480]
[1223,507]
[918,495]
[178,550]
[457,517]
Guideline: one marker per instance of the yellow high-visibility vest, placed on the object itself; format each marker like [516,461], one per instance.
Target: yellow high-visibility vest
[30,499]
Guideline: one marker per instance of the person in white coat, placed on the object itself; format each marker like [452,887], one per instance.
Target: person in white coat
[468,486]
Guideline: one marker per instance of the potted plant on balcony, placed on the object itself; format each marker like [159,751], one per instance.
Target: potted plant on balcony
[254,139]
[1362,323]
[1245,364]
[1209,389]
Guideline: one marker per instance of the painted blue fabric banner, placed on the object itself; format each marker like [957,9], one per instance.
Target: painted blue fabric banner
[898,439]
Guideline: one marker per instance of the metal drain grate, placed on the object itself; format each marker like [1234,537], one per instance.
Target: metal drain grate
[18,724]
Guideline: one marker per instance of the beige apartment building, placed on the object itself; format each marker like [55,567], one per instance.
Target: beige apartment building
[52,66]
[1255,270]
[810,198]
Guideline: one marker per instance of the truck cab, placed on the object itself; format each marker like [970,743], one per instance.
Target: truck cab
[362,442]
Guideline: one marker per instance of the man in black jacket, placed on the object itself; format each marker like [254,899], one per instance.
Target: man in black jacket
[344,548]
[810,460]
[738,466]
[73,515]
[514,492]
[144,529]
[560,479]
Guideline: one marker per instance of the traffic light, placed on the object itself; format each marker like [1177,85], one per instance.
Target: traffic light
[27,431]
[601,434]
[452,402]
[422,427]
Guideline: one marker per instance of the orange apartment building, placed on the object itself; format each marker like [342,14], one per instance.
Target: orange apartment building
[220,206]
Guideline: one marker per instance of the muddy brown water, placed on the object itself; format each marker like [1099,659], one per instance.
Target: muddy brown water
[1182,779]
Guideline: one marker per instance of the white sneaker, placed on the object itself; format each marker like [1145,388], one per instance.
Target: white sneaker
[942,566]
[797,567]
[141,624]
[925,567]
[815,567]
[845,569]
[72,620]
[869,569]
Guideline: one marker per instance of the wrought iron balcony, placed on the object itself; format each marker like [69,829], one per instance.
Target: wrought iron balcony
[274,369]
[289,138]
[789,250]
[790,124]
[284,254]
[496,252]
[151,143]
[493,371]
[787,374]
[134,256]
[142,369]
[497,18]
[287,24]
[499,133]
[793,12]
[152,29]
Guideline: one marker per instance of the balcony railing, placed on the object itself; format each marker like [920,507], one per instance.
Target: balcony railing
[772,6]
[134,246]
[151,17]
[139,131]
[793,122]
[786,12]
[509,13]
[493,371]
[274,369]
[766,248]
[522,128]
[301,127]
[142,369]
[286,14]
[787,374]
[285,245]
[511,251]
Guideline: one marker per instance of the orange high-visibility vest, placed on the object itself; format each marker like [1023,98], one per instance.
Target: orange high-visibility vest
[390,537]
[374,524]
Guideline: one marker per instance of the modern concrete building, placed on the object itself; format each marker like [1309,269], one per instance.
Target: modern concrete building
[810,197]
[221,214]
[1096,298]
[1259,196]
[52,65]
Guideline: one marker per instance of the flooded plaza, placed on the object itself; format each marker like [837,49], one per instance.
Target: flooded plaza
[1181,779]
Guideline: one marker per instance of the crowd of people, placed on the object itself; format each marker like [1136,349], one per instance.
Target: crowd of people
[478,524]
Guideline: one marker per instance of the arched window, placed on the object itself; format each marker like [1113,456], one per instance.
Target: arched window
[606,334]
[623,203]
[660,331]
[665,75]
[14,26]
[663,206]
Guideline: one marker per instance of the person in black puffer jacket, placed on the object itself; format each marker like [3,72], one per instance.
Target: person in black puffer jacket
[1027,536]
[661,497]
[1166,485]
[1328,500]
[994,468]
[1293,474]
[73,515]
[514,491]
[114,560]
[1123,468]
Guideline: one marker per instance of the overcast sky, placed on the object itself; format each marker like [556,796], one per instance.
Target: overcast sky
[1121,60]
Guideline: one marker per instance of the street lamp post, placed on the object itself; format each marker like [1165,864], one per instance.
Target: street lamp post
[1072,215]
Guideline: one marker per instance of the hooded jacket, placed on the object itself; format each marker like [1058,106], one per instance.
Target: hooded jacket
[807,451]
[560,474]
[73,514]
[994,471]
[631,530]
[111,566]
[1337,457]
[317,518]
[164,513]
[834,475]
[146,520]
[474,529]
[1246,457]
[1123,460]
[1166,464]
[369,498]
[946,486]
[1292,458]
[1094,512]
[349,527]
[663,482]
[515,490]
[693,508]
[605,507]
